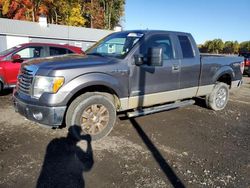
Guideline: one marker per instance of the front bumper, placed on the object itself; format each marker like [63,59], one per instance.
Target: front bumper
[50,116]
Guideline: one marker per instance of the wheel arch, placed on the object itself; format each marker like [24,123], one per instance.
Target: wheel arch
[101,89]
[225,75]
[225,78]
[96,82]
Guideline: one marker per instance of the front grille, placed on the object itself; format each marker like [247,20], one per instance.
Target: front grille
[25,79]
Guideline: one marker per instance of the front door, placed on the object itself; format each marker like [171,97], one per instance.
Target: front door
[155,84]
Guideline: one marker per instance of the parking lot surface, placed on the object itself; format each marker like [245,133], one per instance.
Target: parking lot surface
[186,147]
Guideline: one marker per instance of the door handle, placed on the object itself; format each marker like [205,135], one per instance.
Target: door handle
[175,68]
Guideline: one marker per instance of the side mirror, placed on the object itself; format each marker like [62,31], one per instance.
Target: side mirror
[138,59]
[155,56]
[16,58]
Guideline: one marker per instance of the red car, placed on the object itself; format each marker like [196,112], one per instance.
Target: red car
[11,59]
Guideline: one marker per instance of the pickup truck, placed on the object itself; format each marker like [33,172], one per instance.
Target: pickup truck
[11,59]
[138,72]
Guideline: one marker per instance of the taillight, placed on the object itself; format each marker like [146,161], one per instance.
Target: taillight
[242,67]
[247,62]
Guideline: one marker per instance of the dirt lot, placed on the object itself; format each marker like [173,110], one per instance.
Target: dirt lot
[187,147]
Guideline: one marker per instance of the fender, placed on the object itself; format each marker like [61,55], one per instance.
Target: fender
[222,71]
[62,97]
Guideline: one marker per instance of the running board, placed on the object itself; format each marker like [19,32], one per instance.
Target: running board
[155,109]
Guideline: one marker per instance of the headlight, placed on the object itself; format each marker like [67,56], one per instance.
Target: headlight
[46,84]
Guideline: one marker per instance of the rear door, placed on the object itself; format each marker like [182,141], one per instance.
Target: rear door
[155,84]
[190,66]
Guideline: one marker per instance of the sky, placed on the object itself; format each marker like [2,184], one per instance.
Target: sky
[204,19]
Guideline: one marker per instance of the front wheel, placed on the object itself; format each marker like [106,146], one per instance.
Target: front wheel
[1,87]
[218,98]
[94,113]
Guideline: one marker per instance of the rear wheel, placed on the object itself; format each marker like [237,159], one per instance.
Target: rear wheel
[92,113]
[218,98]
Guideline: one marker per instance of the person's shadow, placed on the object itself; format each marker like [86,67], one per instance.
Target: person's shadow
[65,162]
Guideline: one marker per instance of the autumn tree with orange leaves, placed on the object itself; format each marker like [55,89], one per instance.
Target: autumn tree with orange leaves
[100,14]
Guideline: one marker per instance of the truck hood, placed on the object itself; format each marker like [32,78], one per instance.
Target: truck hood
[67,61]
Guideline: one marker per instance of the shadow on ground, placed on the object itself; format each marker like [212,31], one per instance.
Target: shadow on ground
[6,92]
[65,163]
[201,102]
[167,170]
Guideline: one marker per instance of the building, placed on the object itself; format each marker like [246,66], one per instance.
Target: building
[14,32]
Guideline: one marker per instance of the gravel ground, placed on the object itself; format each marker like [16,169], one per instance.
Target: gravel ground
[187,147]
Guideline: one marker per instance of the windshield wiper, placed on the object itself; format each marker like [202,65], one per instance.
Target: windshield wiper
[104,55]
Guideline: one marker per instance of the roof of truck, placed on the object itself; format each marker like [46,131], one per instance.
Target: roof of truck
[153,31]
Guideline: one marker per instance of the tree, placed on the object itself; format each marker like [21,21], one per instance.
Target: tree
[20,10]
[236,47]
[213,46]
[94,14]
[75,18]
[231,47]
[4,5]
[101,14]
[23,9]
[228,47]
[113,11]
[208,46]
[218,45]
[244,46]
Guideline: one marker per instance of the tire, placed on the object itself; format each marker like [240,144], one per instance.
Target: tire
[218,98]
[1,87]
[91,113]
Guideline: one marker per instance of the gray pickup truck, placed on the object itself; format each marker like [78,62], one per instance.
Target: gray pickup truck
[137,72]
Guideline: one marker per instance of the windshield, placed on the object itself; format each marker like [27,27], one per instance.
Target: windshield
[115,45]
[5,52]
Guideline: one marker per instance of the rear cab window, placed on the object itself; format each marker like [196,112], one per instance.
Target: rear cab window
[186,46]
[53,51]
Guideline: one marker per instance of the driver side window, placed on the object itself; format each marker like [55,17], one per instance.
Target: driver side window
[160,41]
